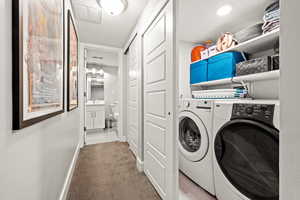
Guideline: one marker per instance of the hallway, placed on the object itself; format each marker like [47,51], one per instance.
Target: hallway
[108,171]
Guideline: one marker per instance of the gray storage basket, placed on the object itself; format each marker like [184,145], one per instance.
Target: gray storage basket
[254,66]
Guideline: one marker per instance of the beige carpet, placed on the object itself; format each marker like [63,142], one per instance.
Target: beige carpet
[108,172]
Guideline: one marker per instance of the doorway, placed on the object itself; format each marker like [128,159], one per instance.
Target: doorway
[101,96]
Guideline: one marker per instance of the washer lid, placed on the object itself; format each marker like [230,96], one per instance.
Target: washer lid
[247,152]
[193,137]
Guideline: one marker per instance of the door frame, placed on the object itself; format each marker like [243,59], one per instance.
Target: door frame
[137,36]
[122,85]
[137,39]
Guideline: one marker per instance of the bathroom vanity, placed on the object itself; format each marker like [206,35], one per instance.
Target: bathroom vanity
[95,115]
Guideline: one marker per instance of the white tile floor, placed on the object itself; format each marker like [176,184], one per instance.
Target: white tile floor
[188,190]
[101,136]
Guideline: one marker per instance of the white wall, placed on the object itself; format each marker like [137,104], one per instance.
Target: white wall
[35,160]
[289,96]
[109,58]
[184,60]
[111,85]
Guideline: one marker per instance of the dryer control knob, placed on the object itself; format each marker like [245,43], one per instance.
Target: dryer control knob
[249,110]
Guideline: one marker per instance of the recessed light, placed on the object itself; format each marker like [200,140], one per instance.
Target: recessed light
[224,10]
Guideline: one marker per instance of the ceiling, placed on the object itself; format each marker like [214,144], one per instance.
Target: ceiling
[198,20]
[103,29]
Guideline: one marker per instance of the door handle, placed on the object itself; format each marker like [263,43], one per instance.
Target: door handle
[203,107]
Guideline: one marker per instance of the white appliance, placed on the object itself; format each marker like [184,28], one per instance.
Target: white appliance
[195,136]
[246,149]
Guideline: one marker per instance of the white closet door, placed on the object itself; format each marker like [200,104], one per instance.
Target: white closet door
[159,134]
[132,108]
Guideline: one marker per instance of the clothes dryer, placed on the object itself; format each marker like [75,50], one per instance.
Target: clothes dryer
[246,149]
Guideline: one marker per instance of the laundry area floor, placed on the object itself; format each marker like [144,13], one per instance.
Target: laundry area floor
[188,190]
[108,171]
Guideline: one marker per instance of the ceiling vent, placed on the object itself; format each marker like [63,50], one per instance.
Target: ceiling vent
[87,10]
[98,57]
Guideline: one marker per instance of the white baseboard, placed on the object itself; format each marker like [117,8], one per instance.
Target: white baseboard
[66,186]
[139,164]
[122,139]
[81,142]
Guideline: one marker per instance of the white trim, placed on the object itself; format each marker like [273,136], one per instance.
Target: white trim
[123,138]
[139,164]
[176,95]
[81,142]
[66,186]
[133,35]
[122,128]
[140,147]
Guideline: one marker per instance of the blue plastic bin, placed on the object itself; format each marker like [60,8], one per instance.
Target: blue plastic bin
[198,72]
[223,65]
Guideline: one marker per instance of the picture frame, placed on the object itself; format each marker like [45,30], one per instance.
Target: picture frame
[38,59]
[72,63]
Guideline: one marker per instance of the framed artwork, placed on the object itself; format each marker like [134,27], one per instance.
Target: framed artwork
[38,60]
[72,99]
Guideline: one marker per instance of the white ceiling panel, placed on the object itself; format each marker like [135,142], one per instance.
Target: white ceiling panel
[87,10]
[113,30]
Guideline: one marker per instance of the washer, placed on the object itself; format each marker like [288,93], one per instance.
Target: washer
[246,149]
[195,137]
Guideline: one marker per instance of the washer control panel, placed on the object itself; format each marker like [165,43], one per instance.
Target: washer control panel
[258,112]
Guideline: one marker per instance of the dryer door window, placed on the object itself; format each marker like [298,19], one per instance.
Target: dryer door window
[189,135]
[248,154]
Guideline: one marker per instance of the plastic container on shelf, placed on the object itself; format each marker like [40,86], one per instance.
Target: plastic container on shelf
[198,72]
[196,53]
[223,65]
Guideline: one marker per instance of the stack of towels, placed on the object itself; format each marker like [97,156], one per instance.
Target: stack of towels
[220,94]
[271,18]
